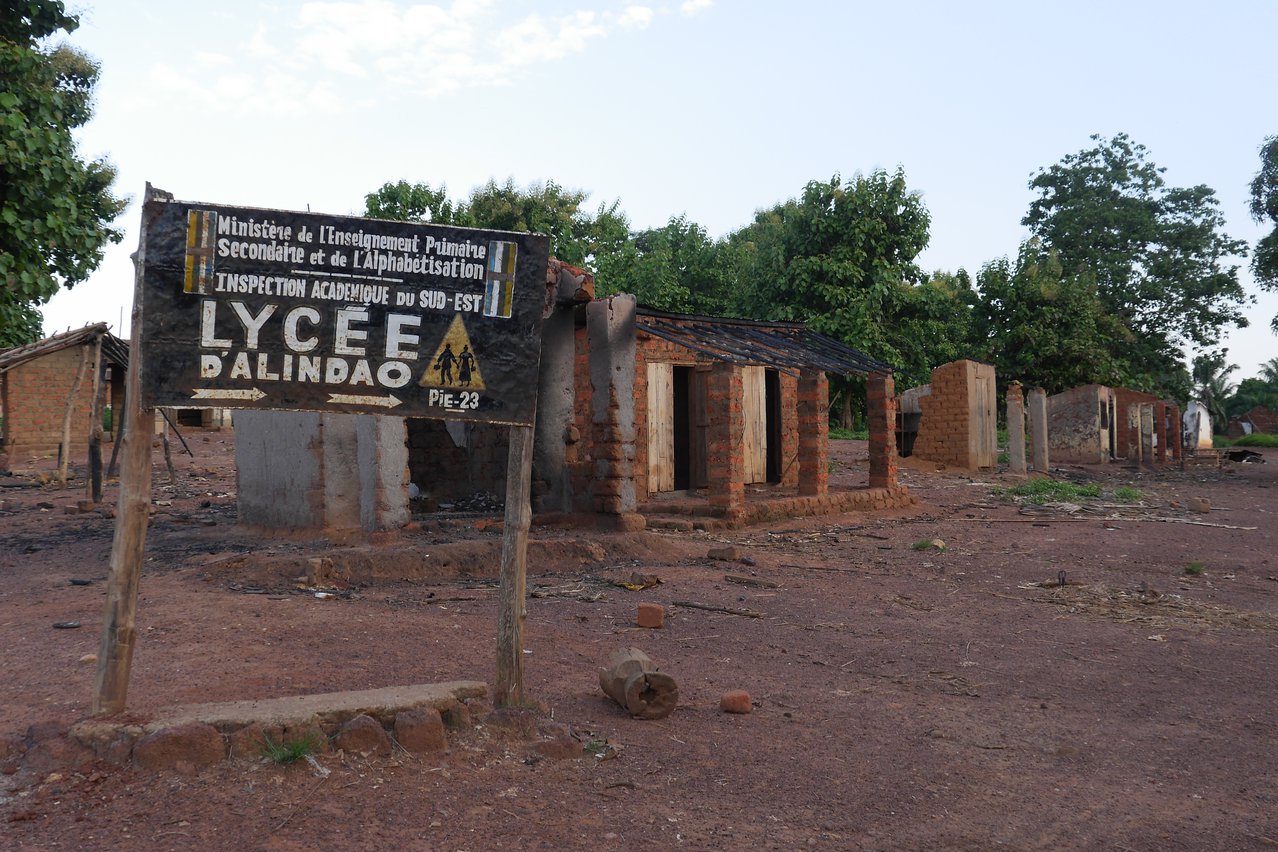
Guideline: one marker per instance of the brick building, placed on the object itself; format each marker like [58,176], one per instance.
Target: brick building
[1165,441]
[36,381]
[1259,420]
[639,412]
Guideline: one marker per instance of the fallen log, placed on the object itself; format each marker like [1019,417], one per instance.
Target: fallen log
[632,680]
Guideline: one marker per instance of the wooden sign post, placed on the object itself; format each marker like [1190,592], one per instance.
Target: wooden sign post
[115,657]
[281,310]
[513,609]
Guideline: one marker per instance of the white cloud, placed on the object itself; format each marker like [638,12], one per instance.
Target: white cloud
[635,18]
[695,7]
[378,47]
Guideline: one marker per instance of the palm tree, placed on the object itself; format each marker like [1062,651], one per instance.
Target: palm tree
[1269,372]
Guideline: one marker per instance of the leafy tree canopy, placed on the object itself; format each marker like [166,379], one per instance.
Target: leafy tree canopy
[1264,209]
[676,267]
[841,258]
[55,207]
[577,236]
[1157,254]
[1039,324]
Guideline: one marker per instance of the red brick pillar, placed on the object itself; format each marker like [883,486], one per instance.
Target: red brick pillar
[726,438]
[814,433]
[1160,430]
[1175,433]
[880,415]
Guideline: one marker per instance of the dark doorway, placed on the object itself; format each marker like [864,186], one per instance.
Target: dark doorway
[772,425]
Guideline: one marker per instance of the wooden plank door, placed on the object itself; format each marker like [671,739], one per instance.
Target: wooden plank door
[661,468]
[755,414]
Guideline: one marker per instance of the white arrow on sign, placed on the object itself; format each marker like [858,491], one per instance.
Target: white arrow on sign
[252,394]
[355,399]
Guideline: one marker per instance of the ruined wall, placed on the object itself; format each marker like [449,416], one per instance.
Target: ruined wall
[306,471]
[958,426]
[455,460]
[1079,424]
[35,403]
[1126,442]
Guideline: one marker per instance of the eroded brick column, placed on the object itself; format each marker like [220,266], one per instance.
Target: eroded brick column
[611,332]
[814,433]
[1175,434]
[1160,432]
[726,439]
[880,398]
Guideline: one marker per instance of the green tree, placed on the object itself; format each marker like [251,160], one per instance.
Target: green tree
[934,324]
[1264,209]
[676,267]
[576,235]
[1040,325]
[841,258]
[56,208]
[1157,254]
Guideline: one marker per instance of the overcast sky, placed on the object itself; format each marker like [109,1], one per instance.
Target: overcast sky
[710,108]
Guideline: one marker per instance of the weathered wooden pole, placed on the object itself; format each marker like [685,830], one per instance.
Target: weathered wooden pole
[514,566]
[65,461]
[115,658]
[94,486]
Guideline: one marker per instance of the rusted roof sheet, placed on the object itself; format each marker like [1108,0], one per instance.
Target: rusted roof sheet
[114,349]
[788,346]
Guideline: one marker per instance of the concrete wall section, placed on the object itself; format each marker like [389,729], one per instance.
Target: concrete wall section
[1079,423]
[278,470]
[300,470]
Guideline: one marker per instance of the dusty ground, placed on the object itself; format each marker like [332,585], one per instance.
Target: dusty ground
[903,698]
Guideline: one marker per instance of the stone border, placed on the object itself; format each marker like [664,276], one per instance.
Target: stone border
[367,722]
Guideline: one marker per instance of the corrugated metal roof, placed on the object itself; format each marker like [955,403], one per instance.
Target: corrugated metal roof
[114,349]
[788,346]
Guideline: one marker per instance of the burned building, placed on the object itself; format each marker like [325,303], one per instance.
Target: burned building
[639,412]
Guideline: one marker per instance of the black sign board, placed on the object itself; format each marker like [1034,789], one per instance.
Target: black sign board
[270,309]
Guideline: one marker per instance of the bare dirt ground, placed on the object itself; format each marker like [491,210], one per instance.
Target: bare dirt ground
[903,698]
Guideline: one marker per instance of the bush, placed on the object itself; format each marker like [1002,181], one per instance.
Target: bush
[1257,439]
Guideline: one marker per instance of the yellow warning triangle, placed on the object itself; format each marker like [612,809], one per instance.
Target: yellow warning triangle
[454,364]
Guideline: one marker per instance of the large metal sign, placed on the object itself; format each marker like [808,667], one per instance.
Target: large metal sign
[269,309]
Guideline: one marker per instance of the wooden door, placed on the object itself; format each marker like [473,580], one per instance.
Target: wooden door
[661,468]
[754,412]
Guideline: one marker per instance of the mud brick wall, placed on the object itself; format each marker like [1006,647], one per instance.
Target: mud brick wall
[447,472]
[1127,440]
[946,430]
[814,433]
[35,403]
[726,464]
[880,398]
